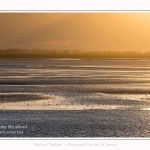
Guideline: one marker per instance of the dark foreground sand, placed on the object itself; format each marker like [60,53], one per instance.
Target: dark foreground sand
[83,123]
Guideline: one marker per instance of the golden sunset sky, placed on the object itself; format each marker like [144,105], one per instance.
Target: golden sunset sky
[121,31]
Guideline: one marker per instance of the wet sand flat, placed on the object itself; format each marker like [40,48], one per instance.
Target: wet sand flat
[74,98]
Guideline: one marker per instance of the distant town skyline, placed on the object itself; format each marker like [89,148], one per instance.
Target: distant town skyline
[85,31]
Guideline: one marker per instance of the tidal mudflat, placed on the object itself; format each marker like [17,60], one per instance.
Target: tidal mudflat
[74,98]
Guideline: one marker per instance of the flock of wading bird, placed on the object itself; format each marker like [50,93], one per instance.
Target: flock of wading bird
[73,101]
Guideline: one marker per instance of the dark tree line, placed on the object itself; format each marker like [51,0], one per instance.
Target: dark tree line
[45,53]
